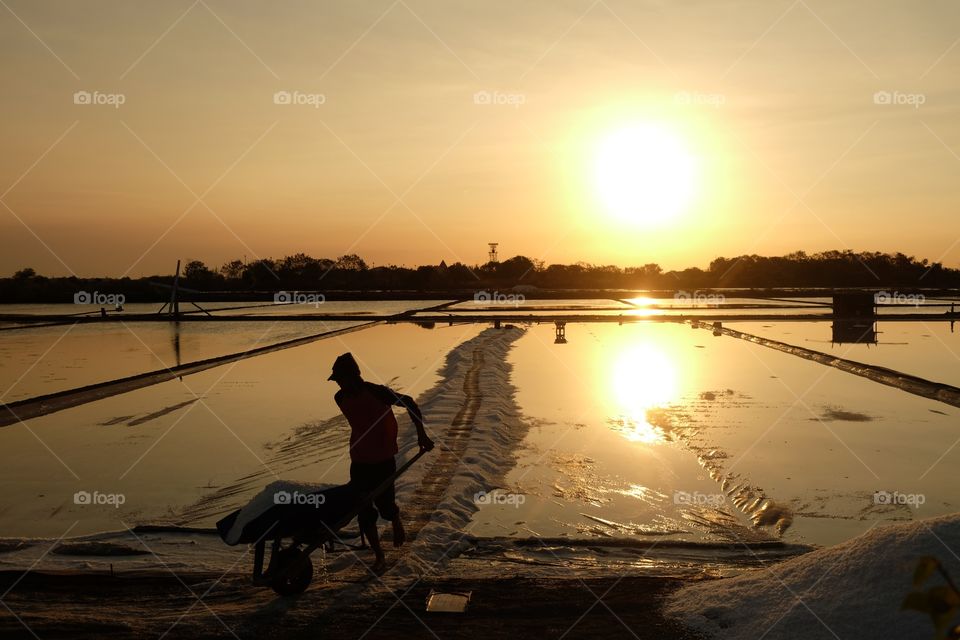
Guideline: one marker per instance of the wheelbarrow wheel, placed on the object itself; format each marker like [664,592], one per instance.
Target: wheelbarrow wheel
[296,580]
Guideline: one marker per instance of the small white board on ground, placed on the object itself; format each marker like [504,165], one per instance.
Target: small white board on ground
[438,602]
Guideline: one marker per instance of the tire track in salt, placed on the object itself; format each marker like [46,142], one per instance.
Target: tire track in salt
[441,483]
[451,450]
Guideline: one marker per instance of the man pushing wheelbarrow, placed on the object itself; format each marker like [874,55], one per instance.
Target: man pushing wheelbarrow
[296,528]
[368,408]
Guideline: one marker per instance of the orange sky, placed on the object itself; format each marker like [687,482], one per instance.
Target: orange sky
[391,155]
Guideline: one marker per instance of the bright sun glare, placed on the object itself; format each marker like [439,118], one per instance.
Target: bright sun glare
[643,377]
[645,174]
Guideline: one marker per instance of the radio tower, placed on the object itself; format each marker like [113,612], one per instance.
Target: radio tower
[493,251]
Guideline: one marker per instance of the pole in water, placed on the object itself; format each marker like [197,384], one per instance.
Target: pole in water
[174,302]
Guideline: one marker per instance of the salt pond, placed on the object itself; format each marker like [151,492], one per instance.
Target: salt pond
[651,431]
[659,430]
[227,431]
[40,360]
[928,349]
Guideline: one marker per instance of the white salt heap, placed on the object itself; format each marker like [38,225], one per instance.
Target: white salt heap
[265,500]
[851,590]
[497,430]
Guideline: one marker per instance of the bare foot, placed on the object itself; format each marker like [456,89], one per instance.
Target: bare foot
[399,535]
[379,566]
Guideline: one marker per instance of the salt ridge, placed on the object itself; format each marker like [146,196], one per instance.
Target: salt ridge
[851,590]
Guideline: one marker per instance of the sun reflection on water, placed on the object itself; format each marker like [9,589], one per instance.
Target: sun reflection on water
[643,376]
[645,307]
[640,492]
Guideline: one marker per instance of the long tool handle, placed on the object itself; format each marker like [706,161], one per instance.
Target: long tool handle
[380,489]
[311,547]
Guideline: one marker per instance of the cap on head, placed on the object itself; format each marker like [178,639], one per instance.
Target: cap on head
[344,368]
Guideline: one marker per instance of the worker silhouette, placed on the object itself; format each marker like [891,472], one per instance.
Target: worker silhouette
[368,408]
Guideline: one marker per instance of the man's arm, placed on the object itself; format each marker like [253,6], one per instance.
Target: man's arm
[413,410]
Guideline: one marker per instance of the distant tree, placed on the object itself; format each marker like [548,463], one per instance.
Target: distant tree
[300,270]
[559,276]
[427,275]
[232,270]
[351,262]
[196,270]
[460,275]
[296,264]
[199,276]
[515,269]
[835,268]
[261,274]
[325,264]
[691,278]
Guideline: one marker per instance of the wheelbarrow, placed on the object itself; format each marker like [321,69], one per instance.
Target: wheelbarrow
[296,525]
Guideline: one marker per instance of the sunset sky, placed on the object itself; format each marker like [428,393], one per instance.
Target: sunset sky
[427,128]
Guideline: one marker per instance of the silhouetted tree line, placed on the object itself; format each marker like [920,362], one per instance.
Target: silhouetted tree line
[350,273]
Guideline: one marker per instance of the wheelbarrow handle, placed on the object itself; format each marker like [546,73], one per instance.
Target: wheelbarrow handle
[304,554]
[380,489]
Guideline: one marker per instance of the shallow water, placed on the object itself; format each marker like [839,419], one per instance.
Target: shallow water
[500,299]
[648,431]
[164,449]
[40,360]
[659,429]
[687,304]
[929,350]
[230,308]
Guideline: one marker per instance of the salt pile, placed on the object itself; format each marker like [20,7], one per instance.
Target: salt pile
[265,500]
[851,590]
[497,429]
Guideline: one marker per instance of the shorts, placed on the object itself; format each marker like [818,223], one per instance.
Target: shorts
[366,477]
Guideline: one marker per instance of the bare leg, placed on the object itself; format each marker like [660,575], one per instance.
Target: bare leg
[399,534]
[373,537]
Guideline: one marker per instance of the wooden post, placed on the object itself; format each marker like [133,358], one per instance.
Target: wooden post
[174,303]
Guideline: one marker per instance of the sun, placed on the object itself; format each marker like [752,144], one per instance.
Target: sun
[645,173]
